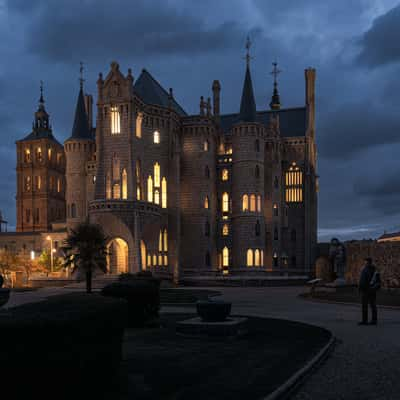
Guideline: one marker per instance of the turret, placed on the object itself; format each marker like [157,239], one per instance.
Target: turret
[216,89]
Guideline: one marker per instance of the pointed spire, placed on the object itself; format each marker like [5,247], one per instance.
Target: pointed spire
[41,121]
[248,105]
[81,80]
[41,100]
[81,129]
[275,103]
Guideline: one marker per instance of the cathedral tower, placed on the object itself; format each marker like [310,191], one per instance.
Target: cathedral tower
[40,176]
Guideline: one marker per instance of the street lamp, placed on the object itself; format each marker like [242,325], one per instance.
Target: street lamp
[51,252]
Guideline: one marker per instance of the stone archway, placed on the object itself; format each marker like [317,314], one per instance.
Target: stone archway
[117,259]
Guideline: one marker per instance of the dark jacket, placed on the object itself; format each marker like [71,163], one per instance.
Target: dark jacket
[367,282]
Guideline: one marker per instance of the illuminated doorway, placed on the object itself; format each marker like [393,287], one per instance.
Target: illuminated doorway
[117,259]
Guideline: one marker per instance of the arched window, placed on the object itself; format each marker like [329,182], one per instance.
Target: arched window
[249,258]
[138,174]
[27,157]
[262,258]
[58,185]
[115,120]
[154,260]
[225,230]
[49,151]
[225,257]
[207,172]
[257,171]
[206,145]
[206,202]
[257,258]
[124,184]
[225,202]
[160,242]
[150,189]
[164,193]
[257,145]
[165,240]
[253,202]
[259,203]
[39,157]
[207,228]
[276,234]
[208,259]
[293,235]
[225,174]
[156,175]
[139,120]
[27,183]
[116,191]
[73,210]
[245,203]
[108,186]
[258,228]
[156,196]
[276,211]
[294,184]
[156,137]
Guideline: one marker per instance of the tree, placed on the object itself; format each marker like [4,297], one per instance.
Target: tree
[86,250]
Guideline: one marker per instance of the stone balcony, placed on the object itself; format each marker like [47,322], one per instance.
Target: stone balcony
[143,207]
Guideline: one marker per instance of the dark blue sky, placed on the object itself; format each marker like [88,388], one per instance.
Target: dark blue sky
[353,44]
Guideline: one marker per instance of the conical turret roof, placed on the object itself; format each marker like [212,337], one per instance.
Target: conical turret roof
[248,111]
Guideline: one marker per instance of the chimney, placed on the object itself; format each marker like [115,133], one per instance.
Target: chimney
[310,75]
[216,89]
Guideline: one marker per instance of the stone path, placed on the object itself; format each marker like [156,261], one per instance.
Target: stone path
[365,363]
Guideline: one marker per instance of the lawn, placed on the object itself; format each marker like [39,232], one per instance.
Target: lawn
[351,295]
[160,364]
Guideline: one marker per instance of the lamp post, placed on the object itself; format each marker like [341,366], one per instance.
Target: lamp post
[51,252]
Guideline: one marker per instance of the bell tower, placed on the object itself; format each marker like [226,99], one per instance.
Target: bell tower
[40,176]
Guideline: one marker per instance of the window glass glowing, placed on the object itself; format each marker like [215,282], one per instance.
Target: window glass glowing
[156,196]
[225,257]
[206,202]
[150,189]
[294,184]
[225,175]
[225,230]
[259,203]
[257,258]
[245,203]
[115,120]
[139,120]
[253,202]
[156,175]
[164,193]
[225,202]
[124,184]
[249,258]
[156,137]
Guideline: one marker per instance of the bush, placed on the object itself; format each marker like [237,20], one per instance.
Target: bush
[61,346]
[142,294]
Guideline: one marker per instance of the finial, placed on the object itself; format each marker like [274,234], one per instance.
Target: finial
[275,103]
[81,80]
[248,57]
[41,100]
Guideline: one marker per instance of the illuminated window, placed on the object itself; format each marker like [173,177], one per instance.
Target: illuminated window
[160,241]
[262,258]
[38,182]
[49,151]
[27,157]
[115,120]
[206,145]
[253,202]
[257,258]
[245,203]
[166,260]
[39,157]
[249,258]
[259,203]
[59,158]
[206,202]
[164,193]
[156,175]
[156,137]
[58,184]
[139,120]
[116,191]
[27,183]
[149,260]
[276,211]
[225,230]
[225,175]
[275,260]
[229,150]
[165,240]
[108,186]
[294,184]
[225,202]
[225,257]
[124,184]
[156,196]
[150,189]
[138,180]
[154,260]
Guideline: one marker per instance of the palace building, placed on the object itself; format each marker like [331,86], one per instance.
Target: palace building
[178,194]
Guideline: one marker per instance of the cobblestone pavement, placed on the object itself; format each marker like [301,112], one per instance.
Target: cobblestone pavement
[364,365]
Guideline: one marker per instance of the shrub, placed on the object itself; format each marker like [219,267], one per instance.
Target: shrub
[61,346]
[143,296]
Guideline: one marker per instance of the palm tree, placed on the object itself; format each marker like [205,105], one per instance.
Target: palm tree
[86,250]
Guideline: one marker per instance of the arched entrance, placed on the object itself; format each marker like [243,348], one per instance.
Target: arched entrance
[117,259]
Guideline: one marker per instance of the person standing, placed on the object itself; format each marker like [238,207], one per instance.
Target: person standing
[370,283]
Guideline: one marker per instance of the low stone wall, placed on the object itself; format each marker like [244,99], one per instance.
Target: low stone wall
[386,257]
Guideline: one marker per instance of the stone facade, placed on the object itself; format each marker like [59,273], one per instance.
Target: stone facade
[193,194]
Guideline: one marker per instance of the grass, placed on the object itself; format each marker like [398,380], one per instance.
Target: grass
[351,295]
[160,364]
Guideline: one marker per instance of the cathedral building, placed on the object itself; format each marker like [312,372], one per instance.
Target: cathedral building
[180,195]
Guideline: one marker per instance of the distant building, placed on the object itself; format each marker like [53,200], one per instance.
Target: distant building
[176,193]
[389,237]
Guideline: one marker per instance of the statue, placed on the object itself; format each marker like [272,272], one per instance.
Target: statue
[337,257]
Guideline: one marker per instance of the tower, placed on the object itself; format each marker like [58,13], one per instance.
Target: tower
[79,150]
[40,176]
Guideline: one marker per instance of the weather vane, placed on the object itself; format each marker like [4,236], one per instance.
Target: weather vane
[81,80]
[248,57]
[275,71]
[41,92]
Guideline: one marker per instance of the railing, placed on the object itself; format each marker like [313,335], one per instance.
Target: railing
[125,205]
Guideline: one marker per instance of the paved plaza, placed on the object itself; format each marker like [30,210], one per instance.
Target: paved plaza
[365,363]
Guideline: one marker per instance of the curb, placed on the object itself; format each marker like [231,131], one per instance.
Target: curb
[316,300]
[298,377]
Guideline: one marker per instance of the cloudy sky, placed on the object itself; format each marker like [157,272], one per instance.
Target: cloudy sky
[353,44]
